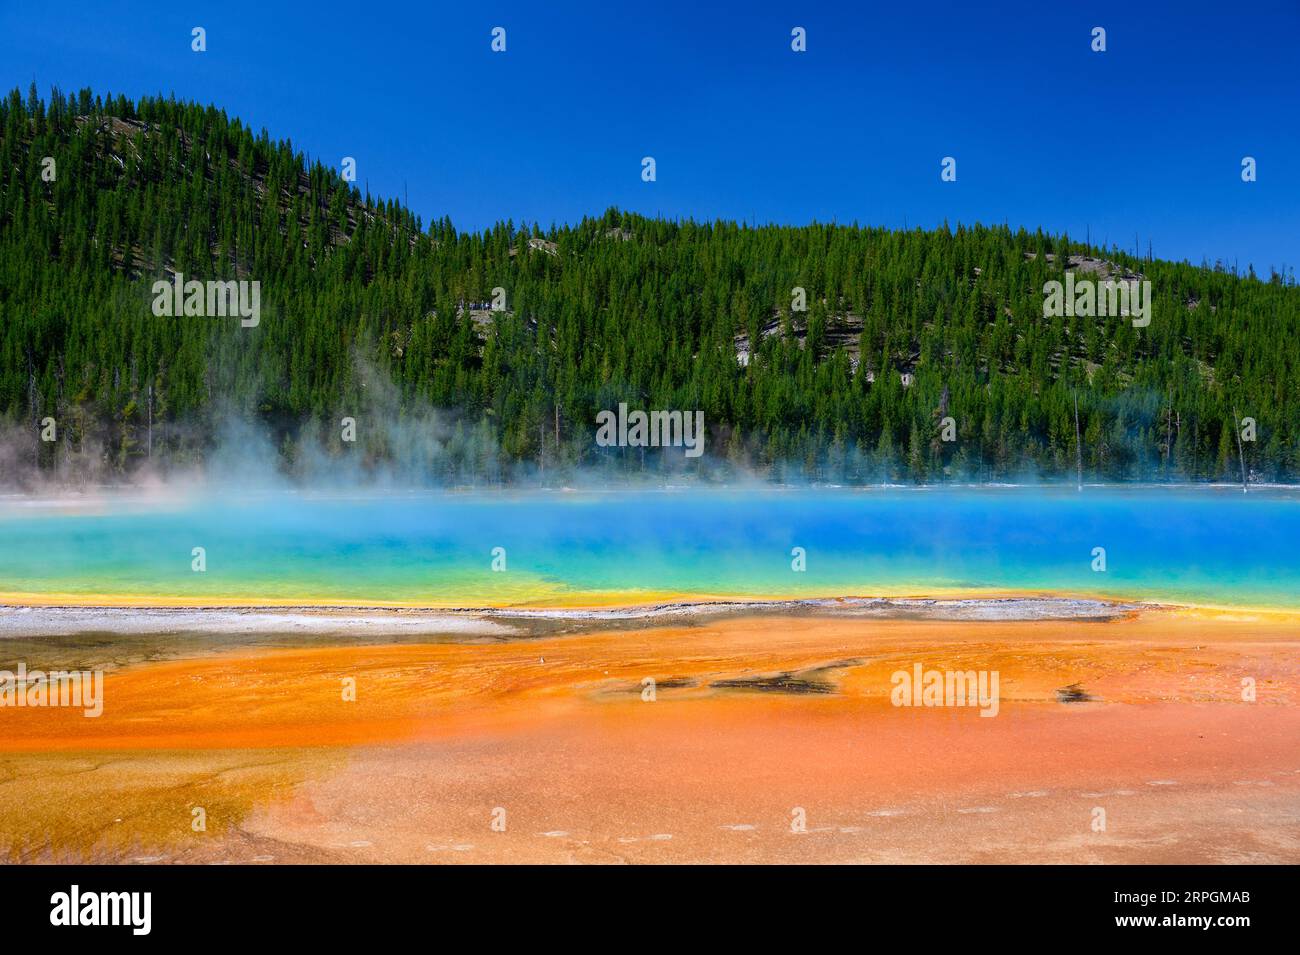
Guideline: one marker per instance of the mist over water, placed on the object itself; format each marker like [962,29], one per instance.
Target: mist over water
[1193,546]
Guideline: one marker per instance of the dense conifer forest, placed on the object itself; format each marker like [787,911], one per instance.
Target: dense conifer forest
[370,314]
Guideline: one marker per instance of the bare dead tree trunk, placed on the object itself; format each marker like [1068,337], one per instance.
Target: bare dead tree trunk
[1169,433]
[1241,452]
[36,411]
[1078,442]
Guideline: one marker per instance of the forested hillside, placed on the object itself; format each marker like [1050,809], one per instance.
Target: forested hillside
[366,312]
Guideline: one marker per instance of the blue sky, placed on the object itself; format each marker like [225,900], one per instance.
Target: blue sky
[1144,140]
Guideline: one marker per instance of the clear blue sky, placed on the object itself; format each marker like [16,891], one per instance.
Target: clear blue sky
[1145,139]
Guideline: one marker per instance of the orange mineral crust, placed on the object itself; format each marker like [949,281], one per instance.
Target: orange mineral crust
[760,739]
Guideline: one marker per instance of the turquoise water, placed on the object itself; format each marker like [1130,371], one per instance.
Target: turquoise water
[1200,546]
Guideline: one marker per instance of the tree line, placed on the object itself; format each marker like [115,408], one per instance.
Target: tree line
[824,352]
